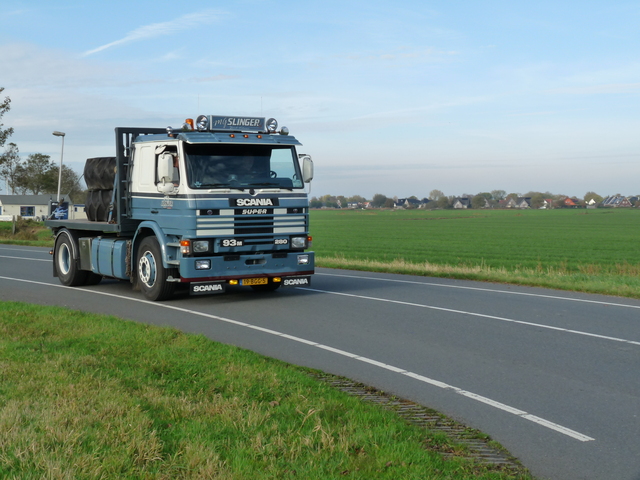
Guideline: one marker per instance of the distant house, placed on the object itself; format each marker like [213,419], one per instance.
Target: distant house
[461,202]
[616,201]
[508,203]
[424,202]
[35,207]
[408,203]
[571,202]
[547,204]
[523,202]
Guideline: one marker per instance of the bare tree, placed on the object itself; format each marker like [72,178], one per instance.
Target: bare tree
[498,195]
[4,108]
[435,195]
[9,163]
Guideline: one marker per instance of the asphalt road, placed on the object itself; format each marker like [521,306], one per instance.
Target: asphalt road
[553,376]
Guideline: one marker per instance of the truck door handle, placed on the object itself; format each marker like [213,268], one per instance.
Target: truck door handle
[154,211]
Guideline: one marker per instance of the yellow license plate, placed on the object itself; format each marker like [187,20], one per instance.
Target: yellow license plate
[255,281]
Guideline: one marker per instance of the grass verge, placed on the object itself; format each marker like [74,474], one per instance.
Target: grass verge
[623,284]
[592,251]
[25,232]
[89,396]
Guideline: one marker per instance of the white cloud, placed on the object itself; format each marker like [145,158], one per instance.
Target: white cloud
[185,22]
[28,66]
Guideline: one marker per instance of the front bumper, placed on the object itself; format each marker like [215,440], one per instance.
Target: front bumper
[229,267]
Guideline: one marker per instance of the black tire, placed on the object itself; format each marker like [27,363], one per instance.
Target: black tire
[66,265]
[104,201]
[89,207]
[151,274]
[93,278]
[97,205]
[100,173]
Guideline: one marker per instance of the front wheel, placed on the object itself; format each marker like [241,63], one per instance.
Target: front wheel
[152,275]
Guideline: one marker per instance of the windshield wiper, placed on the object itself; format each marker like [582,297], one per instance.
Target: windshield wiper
[270,184]
[210,185]
[264,184]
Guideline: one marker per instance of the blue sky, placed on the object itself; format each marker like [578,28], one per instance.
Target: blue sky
[398,98]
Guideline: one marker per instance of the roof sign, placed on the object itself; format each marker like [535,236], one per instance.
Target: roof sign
[237,124]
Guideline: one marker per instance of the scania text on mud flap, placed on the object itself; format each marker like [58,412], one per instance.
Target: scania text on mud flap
[220,201]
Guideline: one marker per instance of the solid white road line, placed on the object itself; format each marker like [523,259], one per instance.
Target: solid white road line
[462,287]
[32,259]
[473,314]
[501,406]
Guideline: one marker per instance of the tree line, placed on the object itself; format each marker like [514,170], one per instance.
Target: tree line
[37,173]
[437,199]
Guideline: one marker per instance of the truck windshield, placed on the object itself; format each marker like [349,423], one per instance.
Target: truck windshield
[242,166]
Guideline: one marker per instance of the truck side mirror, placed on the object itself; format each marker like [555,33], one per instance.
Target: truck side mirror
[307,169]
[165,173]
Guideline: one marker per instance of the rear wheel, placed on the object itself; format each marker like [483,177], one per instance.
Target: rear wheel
[152,276]
[66,265]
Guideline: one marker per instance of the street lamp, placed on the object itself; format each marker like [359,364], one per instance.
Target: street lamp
[60,134]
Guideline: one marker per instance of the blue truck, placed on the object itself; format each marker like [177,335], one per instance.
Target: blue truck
[220,201]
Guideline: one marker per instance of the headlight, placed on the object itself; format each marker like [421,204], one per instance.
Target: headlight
[200,246]
[272,125]
[299,242]
[303,259]
[202,123]
[203,264]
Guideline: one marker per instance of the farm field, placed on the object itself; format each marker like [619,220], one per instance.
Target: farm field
[575,249]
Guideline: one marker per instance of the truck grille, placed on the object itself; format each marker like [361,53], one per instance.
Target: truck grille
[271,222]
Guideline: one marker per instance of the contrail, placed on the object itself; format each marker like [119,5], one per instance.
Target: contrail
[160,29]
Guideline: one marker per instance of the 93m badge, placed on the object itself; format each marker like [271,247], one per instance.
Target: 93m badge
[231,242]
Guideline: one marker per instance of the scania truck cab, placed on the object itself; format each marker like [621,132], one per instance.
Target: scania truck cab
[218,202]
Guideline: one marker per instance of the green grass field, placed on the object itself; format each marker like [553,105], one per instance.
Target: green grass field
[588,250]
[592,251]
[92,397]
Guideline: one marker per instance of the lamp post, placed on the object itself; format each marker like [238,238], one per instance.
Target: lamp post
[60,134]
